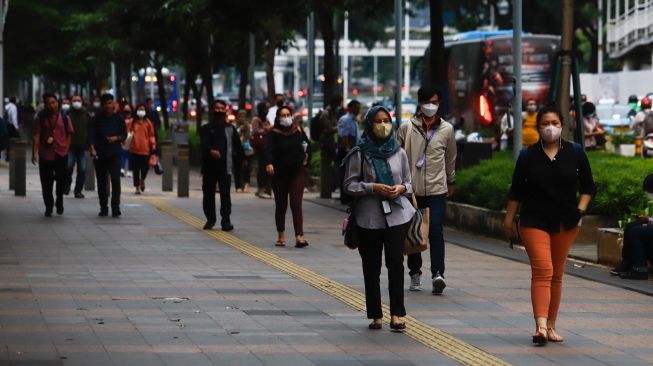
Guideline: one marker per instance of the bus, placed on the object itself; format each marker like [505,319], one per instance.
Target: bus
[480,74]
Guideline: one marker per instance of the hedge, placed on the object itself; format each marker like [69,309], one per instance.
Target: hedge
[618,182]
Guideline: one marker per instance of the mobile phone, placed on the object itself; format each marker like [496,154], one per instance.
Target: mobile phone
[386,207]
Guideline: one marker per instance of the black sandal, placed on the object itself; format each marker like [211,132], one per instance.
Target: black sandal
[375,326]
[540,338]
[301,243]
[398,326]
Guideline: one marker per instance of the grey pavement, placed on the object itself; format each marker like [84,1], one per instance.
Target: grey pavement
[149,289]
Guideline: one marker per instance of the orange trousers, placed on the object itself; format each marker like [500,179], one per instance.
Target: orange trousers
[547,253]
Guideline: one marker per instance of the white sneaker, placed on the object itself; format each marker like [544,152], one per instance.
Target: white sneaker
[122,173]
[438,284]
[129,174]
[415,282]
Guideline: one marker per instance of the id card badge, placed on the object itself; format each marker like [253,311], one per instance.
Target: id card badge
[386,207]
[50,140]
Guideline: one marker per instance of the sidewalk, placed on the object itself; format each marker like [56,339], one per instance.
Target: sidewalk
[151,289]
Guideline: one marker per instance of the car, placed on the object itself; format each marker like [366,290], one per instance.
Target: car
[614,118]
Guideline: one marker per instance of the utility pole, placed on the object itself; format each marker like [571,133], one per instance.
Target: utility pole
[407,50]
[252,65]
[4,6]
[565,69]
[310,63]
[516,64]
[398,16]
[600,36]
[345,61]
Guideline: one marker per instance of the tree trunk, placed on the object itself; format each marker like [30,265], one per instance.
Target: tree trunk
[207,83]
[187,85]
[437,66]
[566,44]
[270,49]
[162,95]
[330,76]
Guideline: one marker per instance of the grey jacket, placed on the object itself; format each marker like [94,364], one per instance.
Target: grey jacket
[439,169]
[369,211]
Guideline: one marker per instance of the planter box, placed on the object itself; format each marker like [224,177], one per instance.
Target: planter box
[609,246]
[490,223]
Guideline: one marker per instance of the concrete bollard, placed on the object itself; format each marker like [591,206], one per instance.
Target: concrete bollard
[12,163]
[167,151]
[182,169]
[18,157]
[89,181]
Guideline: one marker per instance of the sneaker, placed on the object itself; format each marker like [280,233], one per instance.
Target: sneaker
[103,213]
[265,196]
[415,282]
[438,284]
[122,173]
[634,275]
[129,174]
[79,195]
[116,213]
[226,226]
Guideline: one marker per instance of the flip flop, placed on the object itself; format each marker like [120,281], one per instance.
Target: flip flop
[280,243]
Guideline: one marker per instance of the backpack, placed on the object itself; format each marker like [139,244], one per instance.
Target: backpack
[647,126]
[315,128]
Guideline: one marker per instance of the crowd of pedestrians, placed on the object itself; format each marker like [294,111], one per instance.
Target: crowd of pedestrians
[389,172]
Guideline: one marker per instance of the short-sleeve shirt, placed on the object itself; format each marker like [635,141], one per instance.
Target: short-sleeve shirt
[347,126]
[53,126]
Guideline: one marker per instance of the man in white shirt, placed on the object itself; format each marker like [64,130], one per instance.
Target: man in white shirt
[12,112]
[272,112]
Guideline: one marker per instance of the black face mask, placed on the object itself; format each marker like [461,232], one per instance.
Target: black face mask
[220,116]
[280,103]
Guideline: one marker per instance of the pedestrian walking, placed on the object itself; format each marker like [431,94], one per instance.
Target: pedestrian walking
[548,177]
[261,127]
[78,154]
[153,117]
[96,106]
[51,141]
[142,146]
[348,133]
[127,115]
[378,175]
[287,153]
[11,111]
[430,144]
[220,146]
[106,134]
[245,133]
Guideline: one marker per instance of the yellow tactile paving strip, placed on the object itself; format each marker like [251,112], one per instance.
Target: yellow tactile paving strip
[429,336]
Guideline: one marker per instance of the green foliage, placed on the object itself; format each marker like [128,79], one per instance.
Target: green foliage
[618,182]
[618,139]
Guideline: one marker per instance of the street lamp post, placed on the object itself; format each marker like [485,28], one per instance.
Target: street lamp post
[345,61]
[398,71]
[516,62]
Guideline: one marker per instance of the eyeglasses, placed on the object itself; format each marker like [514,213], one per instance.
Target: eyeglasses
[385,120]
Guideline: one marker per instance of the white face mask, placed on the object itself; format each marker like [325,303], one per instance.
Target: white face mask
[77,105]
[382,130]
[531,108]
[286,121]
[96,104]
[550,133]
[141,113]
[429,109]
[65,107]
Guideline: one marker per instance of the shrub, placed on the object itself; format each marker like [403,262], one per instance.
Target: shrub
[618,181]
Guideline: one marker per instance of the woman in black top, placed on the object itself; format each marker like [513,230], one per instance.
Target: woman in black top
[548,177]
[287,151]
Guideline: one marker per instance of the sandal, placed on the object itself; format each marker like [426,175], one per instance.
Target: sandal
[280,243]
[375,326]
[301,243]
[540,337]
[555,337]
[398,327]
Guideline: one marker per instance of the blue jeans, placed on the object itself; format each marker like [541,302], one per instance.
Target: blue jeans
[124,156]
[436,205]
[78,157]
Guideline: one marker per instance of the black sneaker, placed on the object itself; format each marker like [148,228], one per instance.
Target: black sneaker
[621,267]
[226,226]
[79,195]
[209,225]
[633,275]
[48,212]
[115,213]
[103,213]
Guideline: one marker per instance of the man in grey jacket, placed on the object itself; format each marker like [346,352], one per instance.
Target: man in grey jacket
[430,144]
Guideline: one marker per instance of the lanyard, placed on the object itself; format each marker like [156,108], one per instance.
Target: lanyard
[422,159]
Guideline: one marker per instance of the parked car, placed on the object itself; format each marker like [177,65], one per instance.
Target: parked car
[614,118]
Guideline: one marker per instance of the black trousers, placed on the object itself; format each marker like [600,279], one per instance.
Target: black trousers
[105,168]
[638,246]
[262,177]
[139,165]
[51,171]
[210,178]
[373,242]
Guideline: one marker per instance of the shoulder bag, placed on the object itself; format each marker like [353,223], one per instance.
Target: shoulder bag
[417,239]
